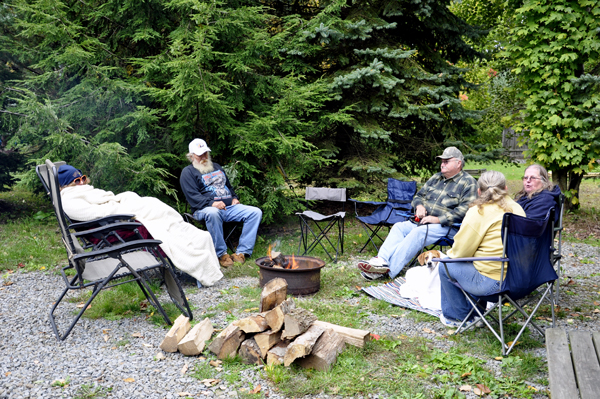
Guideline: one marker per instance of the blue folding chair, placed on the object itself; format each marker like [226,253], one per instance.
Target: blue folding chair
[527,258]
[399,196]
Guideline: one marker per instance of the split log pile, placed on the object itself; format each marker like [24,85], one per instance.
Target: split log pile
[284,334]
[189,341]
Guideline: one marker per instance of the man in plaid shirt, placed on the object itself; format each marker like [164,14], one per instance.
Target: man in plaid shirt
[442,202]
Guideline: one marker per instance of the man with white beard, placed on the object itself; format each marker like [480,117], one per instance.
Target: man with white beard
[213,200]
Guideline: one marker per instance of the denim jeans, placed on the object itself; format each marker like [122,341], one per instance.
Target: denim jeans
[455,305]
[214,219]
[405,241]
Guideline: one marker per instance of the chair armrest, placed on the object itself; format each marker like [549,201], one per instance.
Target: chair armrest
[100,222]
[454,260]
[111,251]
[108,228]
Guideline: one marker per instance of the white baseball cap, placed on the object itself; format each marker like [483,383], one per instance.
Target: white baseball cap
[198,147]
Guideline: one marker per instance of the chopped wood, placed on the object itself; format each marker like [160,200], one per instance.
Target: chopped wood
[252,324]
[352,336]
[267,340]
[275,317]
[325,352]
[195,340]
[278,258]
[250,352]
[180,327]
[296,322]
[227,342]
[275,354]
[273,293]
[302,345]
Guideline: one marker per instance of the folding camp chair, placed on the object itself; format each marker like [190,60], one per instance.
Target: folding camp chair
[323,224]
[527,258]
[109,264]
[399,197]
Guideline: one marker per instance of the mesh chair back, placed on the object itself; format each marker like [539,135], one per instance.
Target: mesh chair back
[42,172]
[528,245]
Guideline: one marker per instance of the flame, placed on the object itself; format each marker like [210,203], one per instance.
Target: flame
[269,251]
[292,264]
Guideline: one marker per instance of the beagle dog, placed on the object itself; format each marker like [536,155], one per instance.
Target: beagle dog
[425,258]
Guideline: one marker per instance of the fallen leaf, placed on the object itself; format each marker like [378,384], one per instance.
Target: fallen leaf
[570,282]
[250,310]
[428,330]
[596,311]
[511,342]
[596,303]
[105,330]
[184,394]
[574,314]
[144,305]
[81,305]
[465,375]
[499,358]
[235,286]
[209,382]
[160,356]
[7,283]
[184,369]
[129,379]
[20,265]
[477,391]
[105,336]
[465,388]
[532,388]
[483,388]
[114,347]
[137,335]
[215,363]
[8,373]
[147,345]
[375,337]
[256,389]
[357,287]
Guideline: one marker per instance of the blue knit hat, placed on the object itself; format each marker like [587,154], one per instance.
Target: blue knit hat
[67,173]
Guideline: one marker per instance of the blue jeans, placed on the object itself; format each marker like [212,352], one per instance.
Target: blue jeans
[455,305]
[405,241]
[214,219]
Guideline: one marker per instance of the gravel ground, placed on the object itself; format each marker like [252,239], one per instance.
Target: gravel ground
[123,355]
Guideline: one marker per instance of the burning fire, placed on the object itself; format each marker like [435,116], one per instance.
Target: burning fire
[290,263]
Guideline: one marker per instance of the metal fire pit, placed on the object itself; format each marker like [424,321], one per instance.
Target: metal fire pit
[304,280]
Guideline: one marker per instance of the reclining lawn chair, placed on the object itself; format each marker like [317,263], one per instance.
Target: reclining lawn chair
[323,224]
[109,264]
[399,197]
[527,257]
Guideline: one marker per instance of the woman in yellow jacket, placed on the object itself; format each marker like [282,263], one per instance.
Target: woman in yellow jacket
[479,236]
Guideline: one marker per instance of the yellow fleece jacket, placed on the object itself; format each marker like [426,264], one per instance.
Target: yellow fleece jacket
[480,235]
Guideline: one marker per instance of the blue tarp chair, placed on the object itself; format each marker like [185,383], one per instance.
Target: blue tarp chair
[399,196]
[530,275]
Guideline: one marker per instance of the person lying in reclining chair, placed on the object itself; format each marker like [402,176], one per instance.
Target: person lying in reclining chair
[189,248]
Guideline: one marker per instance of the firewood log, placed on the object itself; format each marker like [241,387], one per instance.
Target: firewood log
[275,354]
[267,340]
[180,327]
[325,352]
[302,345]
[250,352]
[275,317]
[273,293]
[193,343]
[296,322]
[227,342]
[252,324]
[351,336]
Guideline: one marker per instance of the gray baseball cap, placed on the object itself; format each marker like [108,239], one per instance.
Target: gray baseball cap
[452,152]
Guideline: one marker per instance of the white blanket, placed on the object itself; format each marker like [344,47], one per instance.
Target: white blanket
[190,248]
[423,283]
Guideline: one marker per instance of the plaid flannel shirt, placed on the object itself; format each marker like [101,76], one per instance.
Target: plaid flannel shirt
[448,199]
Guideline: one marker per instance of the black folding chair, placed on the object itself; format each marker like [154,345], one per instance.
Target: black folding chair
[530,276]
[323,224]
[109,264]
[399,197]
[557,253]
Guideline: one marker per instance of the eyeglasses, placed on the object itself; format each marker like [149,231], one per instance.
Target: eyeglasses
[80,180]
[527,178]
[445,161]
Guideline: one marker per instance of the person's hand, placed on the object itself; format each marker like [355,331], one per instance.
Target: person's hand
[219,205]
[430,220]
[420,212]
[235,201]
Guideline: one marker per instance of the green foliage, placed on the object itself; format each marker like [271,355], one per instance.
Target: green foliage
[555,54]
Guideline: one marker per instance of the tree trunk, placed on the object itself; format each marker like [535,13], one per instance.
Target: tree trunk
[569,183]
